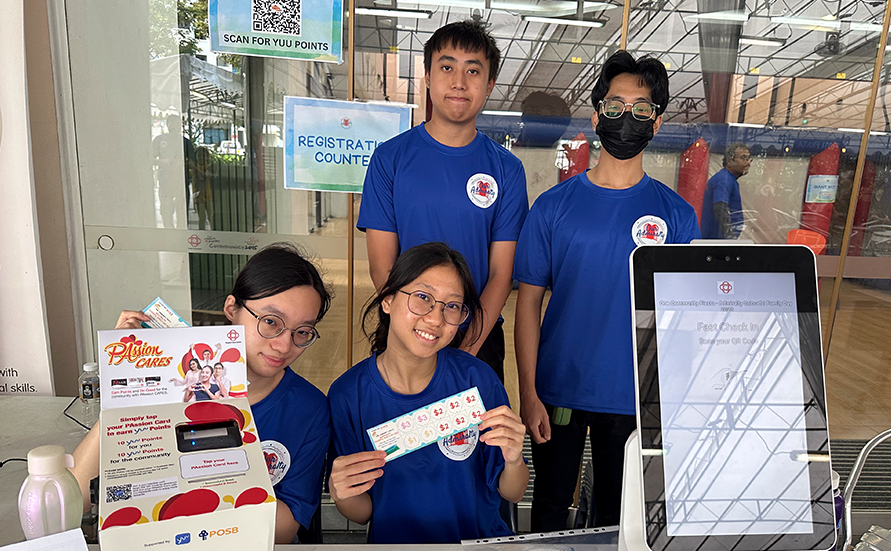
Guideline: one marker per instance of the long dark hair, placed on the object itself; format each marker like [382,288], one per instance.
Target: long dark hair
[409,267]
[275,269]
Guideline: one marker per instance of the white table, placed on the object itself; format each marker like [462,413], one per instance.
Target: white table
[30,421]
[27,422]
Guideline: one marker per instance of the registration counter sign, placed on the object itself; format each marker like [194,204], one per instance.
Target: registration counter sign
[329,143]
[297,29]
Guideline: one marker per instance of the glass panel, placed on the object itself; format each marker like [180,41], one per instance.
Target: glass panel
[789,83]
[180,152]
[858,357]
[538,109]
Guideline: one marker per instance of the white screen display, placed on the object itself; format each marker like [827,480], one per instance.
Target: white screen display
[731,393]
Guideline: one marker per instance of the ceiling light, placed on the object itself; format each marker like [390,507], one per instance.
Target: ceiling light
[720,16]
[556,7]
[745,125]
[858,130]
[596,24]
[762,41]
[868,27]
[411,14]
[812,24]
[504,113]
[829,17]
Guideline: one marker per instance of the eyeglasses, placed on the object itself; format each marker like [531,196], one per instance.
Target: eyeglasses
[744,158]
[640,110]
[421,303]
[270,326]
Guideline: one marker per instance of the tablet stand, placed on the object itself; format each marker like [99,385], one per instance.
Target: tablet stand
[631,522]
[632,536]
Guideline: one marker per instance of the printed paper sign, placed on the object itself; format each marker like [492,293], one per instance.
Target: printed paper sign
[426,425]
[328,143]
[297,29]
[214,463]
[821,189]
[160,366]
[162,316]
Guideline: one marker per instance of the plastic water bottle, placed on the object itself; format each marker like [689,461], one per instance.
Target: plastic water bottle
[88,382]
[50,500]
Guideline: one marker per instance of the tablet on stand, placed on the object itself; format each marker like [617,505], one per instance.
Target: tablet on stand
[732,444]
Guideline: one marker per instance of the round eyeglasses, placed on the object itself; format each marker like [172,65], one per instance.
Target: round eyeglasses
[421,303]
[640,110]
[270,326]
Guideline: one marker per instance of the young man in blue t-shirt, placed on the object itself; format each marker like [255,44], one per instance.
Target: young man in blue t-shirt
[722,216]
[576,367]
[444,181]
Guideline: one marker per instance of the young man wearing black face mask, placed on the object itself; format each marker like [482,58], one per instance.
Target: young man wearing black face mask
[576,366]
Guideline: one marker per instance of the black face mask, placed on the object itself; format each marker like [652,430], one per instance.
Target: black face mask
[624,137]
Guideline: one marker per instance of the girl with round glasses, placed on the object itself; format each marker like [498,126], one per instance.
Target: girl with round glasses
[451,489]
[278,297]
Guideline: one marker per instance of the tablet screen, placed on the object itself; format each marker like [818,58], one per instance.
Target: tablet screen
[732,410]
[731,391]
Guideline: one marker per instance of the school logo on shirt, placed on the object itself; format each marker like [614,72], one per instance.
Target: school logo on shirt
[278,460]
[482,190]
[459,446]
[649,230]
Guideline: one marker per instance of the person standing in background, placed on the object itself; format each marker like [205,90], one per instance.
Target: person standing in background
[722,216]
[443,181]
[576,367]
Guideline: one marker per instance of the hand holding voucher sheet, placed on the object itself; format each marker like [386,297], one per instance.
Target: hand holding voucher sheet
[428,424]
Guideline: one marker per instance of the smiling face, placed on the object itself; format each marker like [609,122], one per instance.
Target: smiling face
[423,336]
[459,83]
[194,365]
[218,370]
[267,358]
[205,374]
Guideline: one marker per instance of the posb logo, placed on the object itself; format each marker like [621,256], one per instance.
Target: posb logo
[204,534]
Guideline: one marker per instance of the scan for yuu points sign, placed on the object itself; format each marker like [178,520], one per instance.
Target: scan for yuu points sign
[329,143]
[297,29]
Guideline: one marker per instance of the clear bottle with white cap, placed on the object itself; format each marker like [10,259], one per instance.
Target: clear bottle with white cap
[88,382]
[50,500]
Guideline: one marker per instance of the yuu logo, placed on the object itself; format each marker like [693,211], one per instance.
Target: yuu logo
[182,539]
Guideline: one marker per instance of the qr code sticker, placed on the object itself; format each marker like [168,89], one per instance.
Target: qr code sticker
[277,16]
[121,492]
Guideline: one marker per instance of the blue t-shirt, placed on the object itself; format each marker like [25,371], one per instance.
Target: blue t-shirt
[577,240]
[466,197]
[722,188]
[202,395]
[294,427]
[437,494]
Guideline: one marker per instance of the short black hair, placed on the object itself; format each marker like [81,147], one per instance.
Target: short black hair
[730,151]
[649,70]
[275,269]
[469,36]
[408,267]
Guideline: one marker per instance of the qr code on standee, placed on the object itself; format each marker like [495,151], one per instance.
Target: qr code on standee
[121,492]
[277,16]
